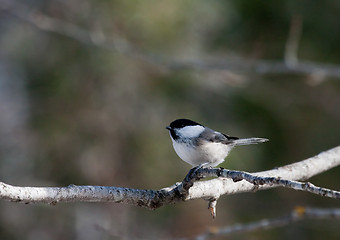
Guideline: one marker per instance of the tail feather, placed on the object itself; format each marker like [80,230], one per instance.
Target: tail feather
[247,141]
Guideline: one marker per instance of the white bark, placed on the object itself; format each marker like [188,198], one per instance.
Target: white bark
[188,189]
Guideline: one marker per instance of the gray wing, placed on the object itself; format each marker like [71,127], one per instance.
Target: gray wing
[213,136]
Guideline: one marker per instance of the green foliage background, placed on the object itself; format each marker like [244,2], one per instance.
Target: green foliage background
[75,113]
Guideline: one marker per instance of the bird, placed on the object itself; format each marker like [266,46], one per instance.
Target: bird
[202,146]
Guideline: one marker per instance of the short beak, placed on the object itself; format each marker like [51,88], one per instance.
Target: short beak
[168,127]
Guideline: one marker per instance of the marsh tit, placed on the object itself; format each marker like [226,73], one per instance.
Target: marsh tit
[199,145]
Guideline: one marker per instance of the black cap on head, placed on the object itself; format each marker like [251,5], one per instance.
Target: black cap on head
[179,123]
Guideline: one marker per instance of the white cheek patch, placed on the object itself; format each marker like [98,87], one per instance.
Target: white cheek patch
[191,131]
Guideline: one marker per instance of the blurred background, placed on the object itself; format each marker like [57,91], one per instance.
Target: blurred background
[87,88]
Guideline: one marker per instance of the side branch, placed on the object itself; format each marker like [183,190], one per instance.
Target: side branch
[228,182]
[270,181]
[302,170]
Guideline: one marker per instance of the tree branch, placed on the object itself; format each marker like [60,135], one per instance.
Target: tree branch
[189,188]
[298,214]
[120,45]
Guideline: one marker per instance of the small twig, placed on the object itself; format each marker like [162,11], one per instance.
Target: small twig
[212,207]
[298,214]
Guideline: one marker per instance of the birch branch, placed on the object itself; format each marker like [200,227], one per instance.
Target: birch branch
[120,45]
[190,188]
